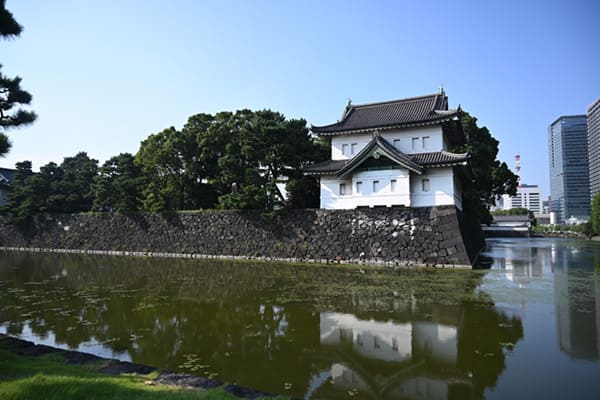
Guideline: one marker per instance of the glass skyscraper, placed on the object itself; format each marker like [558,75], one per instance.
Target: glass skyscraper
[593,127]
[569,168]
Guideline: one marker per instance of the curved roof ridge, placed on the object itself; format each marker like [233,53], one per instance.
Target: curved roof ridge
[450,153]
[405,100]
[420,110]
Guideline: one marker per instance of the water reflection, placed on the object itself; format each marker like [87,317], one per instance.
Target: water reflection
[440,352]
[571,267]
[577,304]
[232,323]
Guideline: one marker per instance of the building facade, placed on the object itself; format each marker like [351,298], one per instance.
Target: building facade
[394,153]
[593,131]
[569,168]
[528,196]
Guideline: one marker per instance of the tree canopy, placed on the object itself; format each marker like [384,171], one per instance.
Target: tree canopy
[229,160]
[119,185]
[9,27]
[492,177]
[64,188]
[595,217]
[12,96]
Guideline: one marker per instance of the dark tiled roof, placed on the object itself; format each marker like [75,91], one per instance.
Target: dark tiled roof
[325,167]
[6,176]
[398,113]
[439,158]
[414,162]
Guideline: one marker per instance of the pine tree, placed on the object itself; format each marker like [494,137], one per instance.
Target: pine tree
[11,94]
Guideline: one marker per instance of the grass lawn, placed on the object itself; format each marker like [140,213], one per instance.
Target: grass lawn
[50,377]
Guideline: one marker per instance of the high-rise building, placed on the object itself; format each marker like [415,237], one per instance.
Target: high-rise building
[569,168]
[593,128]
[528,196]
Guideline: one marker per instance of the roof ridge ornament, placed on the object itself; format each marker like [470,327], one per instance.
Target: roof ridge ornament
[347,109]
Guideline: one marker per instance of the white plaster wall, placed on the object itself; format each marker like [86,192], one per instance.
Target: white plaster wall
[330,194]
[441,190]
[384,196]
[337,143]
[405,137]
[435,142]
[387,341]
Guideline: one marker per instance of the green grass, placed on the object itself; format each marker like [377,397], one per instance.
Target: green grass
[49,377]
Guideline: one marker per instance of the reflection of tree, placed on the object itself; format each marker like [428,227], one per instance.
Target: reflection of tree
[250,323]
[485,334]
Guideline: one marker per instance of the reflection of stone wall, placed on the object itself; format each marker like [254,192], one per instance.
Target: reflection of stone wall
[421,235]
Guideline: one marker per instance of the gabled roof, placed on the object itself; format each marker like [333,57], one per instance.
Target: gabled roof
[377,147]
[414,111]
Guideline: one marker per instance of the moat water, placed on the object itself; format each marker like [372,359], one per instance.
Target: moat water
[530,330]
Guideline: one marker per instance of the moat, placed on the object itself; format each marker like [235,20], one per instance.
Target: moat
[527,328]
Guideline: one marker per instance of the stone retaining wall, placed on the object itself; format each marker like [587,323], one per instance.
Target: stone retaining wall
[400,236]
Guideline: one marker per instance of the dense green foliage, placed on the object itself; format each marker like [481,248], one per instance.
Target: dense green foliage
[119,185]
[492,177]
[11,94]
[238,160]
[63,188]
[512,211]
[584,229]
[229,160]
[595,218]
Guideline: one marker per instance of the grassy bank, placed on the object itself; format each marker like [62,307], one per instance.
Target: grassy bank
[50,377]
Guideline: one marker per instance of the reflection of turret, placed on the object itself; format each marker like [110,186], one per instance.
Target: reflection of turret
[417,358]
[384,341]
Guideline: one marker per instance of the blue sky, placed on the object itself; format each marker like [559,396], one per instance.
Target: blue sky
[105,75]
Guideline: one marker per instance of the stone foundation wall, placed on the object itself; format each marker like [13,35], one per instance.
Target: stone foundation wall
[431,236]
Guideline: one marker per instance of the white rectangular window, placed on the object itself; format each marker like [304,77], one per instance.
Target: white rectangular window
[393,185]
[353,148]
[375,186]
[415,143]
[397,143]
[425,185]
[345,149]
[358,187]
[426,142]
[343,189]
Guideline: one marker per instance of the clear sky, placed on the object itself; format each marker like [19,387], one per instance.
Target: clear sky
[106,74]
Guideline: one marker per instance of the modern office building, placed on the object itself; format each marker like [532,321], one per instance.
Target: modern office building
[593,131]
[569,168]
[528,196]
